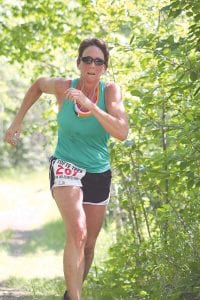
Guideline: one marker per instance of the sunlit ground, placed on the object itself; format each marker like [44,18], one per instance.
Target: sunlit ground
[31,231]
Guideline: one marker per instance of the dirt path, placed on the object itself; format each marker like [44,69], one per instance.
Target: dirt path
[29,223]
[12,294]
[24,209]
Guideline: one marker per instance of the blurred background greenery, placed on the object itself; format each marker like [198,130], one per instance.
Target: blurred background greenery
[154,213]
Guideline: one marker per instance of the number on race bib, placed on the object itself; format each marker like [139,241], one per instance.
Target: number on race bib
[67,173]
[58,171]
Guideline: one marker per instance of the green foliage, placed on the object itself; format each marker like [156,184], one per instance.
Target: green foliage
[150,270]
[49,237]
[159,170]
[38,288]
[35,145]
[155,58]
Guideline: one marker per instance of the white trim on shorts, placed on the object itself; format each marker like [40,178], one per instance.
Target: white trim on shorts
[105,202]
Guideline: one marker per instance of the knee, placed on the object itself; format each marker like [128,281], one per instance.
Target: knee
[78,235]
[89,248]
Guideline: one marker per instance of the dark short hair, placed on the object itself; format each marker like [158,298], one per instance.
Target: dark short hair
[93,42]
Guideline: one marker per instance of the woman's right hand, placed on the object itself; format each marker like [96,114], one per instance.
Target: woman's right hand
[12,134]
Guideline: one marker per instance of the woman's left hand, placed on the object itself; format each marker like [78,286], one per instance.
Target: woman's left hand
[78,96]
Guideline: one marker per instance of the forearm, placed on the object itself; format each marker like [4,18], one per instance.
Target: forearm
[117,127]
[30,98]
[42,85]
[115,122]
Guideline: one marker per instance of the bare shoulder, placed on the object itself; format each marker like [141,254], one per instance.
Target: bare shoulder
[114,102]
[113,92]
[112,86]
[53,85]
[62,84]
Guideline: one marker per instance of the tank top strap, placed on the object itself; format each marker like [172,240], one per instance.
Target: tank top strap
[102,88]
[74,83]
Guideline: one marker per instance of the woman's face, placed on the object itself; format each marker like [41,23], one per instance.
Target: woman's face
[92,71]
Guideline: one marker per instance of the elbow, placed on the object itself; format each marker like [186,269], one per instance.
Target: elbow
[122,136]
[39,83]
[36,87]
[123,130]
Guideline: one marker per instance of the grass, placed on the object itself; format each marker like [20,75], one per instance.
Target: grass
[49,237]
[32,237]
[38,287]
[5,236]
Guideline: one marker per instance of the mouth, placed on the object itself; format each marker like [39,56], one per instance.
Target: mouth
[91,73]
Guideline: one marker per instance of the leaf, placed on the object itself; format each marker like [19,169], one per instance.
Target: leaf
[189,115]
[197,17]
[197,91]
[132,38]
[166,8]
[175,13]
[194,75]
[136,93]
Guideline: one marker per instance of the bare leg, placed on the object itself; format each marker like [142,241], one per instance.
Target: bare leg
[69,202]
[94,220]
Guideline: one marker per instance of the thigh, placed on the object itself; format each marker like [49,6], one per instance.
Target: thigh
[69,202]
[94,220]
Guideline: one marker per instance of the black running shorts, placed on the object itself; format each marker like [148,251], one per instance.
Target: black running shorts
[95,186]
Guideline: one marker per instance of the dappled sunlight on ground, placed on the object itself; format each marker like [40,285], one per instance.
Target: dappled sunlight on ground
[32,240]
[26,204]
[29,221]
[42,264]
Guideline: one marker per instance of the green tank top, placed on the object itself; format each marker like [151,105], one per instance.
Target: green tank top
[82,140]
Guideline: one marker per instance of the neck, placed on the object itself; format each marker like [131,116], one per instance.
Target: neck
[88,88]
[88,85]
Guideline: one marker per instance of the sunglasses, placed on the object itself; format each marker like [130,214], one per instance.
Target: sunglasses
[89,60]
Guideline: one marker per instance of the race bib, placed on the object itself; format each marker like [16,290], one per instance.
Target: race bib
[67,174]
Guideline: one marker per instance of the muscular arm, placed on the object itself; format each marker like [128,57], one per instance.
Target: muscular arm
[42,85]
[54,86]
[115,121]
